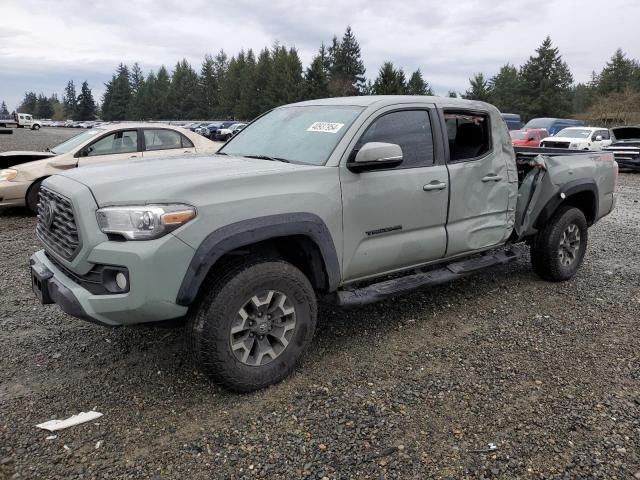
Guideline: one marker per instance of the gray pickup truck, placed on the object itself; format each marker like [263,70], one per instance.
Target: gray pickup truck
[343,200]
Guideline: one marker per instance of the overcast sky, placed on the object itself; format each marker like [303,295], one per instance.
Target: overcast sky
[44,43]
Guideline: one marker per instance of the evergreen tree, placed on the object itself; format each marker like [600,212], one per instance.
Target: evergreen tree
[29,104]
[618,74]
[417,85]
[452,94]
[136,78]
[286,85]
[263,83]
[317,75]
[3,109]
[161,99]
[69,100]
[209,87]
[44,108]
[505,89]
[390,81]
[86,109]
[478,89]
[117,98]
[546,84]
[245,108]
[347,67]
[183,99]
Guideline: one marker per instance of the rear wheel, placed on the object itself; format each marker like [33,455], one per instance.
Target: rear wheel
[559,248]
[253,324]
[33,196]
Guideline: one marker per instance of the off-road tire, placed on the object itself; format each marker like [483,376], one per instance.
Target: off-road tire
[32,197]
[214,312]
[545,257]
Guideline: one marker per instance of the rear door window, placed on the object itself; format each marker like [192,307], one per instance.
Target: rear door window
[162,139]
[468,133]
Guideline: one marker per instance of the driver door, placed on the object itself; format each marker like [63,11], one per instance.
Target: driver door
[395,218]
[118,145]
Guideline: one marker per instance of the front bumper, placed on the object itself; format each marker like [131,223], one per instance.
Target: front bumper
[13,193]
[156,269]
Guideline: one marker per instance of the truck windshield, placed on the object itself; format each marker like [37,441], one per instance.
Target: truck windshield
[304,134]
[574,133]
[74,142]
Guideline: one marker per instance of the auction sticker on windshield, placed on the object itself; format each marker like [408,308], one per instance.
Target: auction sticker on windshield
[326,127]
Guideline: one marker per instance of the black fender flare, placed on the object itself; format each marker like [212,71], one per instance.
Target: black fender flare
[247,232]
[566,191]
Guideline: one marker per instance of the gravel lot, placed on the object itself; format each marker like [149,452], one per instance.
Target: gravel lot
[410,388]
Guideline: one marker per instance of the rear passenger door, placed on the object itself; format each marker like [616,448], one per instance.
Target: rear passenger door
[395,218]
[483,188]
[165,142]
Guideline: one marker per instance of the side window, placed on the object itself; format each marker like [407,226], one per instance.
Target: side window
[604,134]
[117,142]
[411,129]
[468,134]
[161,139]
[186,143]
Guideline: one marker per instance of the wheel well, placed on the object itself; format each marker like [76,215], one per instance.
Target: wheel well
[299,250]
[33,184]
[584,201]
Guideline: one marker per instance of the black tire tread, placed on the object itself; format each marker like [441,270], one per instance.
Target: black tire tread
[206,356]
[31,199]
[544,251]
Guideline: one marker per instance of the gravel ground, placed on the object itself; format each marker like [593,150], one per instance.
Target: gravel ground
[411,388]
[24,139]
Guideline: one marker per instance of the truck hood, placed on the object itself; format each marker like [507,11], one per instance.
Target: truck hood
[566,139]
[626,133]
[174,179]
[18,157]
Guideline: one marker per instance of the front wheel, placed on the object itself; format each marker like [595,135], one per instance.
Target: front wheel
[252,324]
[558,249]
[35,127]
[33,196]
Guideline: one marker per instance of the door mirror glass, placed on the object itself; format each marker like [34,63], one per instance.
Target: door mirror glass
[375,156]
[598,138]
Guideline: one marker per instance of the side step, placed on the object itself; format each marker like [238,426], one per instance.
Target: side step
[410,283]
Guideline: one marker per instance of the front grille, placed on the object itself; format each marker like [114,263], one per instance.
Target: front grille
[552,144]
[56,226]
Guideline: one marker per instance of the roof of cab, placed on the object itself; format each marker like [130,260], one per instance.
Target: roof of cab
[382,100]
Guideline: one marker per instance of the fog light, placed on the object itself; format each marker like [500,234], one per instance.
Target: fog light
[121,281]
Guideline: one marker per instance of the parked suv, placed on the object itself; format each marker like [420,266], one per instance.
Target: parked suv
[345,200]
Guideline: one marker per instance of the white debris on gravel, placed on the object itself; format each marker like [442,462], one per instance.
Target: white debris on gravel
[82,417]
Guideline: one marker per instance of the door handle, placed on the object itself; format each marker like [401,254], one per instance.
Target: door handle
[133,156]
[435,185]
[491,177]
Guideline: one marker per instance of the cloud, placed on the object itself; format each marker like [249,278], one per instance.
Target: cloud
[48,43]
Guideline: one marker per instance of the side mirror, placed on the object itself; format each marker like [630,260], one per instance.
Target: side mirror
[598,138]
[376,156]
[531,139]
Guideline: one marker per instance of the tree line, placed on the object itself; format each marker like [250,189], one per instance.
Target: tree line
[245,85]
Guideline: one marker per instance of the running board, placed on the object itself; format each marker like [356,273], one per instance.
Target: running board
[410,283]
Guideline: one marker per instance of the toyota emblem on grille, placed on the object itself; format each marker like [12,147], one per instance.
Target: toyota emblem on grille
[48,213]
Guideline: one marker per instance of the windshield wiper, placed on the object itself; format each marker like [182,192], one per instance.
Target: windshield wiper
[267,157]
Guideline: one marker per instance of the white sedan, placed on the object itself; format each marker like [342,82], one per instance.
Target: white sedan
[20,181]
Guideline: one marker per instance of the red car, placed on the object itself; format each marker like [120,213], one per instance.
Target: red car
[528,138]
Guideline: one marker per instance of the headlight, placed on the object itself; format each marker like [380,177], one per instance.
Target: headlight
[8,174]
[144,222]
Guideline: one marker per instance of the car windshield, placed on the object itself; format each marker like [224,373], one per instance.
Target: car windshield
[74,142]
[299,134]
[574,133]
[518,135]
